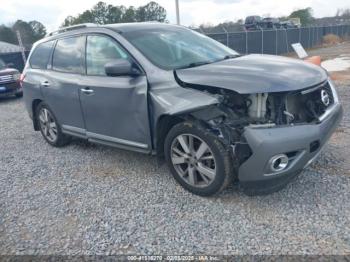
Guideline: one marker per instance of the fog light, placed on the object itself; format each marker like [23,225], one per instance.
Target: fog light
[278,162]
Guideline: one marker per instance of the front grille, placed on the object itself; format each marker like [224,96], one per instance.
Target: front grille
[6,79]
[318,100]
[308,105]
[328,89]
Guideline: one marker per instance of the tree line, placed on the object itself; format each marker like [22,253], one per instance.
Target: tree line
[30,32]
[103,13]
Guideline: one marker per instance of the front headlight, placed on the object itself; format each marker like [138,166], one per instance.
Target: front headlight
[335,94]
[16,77]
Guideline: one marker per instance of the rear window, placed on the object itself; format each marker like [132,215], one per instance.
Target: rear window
[41,55]
[67,56]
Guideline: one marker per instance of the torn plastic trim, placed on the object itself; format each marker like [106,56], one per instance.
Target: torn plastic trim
[213,119]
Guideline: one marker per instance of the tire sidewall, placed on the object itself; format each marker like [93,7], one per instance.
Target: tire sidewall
[60,135]
[215,146]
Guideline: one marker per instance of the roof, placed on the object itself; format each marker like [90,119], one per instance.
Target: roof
[119,28]
[129,27]
[9,48]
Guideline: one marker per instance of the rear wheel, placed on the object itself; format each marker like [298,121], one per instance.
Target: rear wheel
[49,127]
[197,159]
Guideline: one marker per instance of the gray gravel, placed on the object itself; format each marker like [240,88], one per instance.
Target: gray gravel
[88,199]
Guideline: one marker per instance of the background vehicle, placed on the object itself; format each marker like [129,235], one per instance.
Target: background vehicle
[270,23]
[288,25]
[296,21]
[214,115]
[252,23]
[9,81]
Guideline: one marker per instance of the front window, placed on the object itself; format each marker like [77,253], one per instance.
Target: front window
[99,51]
[175,47]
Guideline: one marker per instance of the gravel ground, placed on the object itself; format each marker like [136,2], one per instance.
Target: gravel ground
[89,199]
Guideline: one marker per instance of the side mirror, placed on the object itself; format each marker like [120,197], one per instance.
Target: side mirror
[120,67]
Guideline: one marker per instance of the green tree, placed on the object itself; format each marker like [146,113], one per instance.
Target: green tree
[305,15]
[151,12]
[115,14]
[101,13]
[129,15]
[39,30]
[30,32]
[26,32]
[69,20]
[7,35]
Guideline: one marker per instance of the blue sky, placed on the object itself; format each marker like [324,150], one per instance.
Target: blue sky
[193,12]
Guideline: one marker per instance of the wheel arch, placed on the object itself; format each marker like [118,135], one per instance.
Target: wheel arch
[167,121]
[35,105]
[163,126]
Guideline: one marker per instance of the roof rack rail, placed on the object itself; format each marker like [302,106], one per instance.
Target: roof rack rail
[70,28]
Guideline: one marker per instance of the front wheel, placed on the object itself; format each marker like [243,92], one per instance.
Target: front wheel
[197,159]
[49,127]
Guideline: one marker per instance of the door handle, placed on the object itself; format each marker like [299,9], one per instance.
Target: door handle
[45,84]
[87,91]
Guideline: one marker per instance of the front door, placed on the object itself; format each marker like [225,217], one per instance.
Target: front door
[114,108]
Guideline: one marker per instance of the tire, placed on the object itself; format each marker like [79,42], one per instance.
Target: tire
[216,159]
[51,129]
[20,94]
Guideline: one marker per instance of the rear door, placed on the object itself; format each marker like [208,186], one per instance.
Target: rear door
[114,108]
[61,87]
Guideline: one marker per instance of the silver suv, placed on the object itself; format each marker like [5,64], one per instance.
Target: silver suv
[214,115]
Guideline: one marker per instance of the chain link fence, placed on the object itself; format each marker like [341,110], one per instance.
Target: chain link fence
[278,41]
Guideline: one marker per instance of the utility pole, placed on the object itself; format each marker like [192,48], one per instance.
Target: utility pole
[21,45]
[177,12]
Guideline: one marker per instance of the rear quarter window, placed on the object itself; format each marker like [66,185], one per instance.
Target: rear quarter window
[40,57]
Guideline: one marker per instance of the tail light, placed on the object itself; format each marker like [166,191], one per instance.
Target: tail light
[21,79]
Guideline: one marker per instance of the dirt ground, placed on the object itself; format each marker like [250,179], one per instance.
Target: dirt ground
[331,52]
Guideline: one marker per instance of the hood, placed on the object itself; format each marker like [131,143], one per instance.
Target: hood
[8,71]
[255,74]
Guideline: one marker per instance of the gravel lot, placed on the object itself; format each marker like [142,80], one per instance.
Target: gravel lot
[89,199]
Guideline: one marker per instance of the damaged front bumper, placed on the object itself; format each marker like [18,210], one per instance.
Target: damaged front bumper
[300,143]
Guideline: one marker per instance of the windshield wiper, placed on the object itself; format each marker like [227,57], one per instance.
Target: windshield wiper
[194,64]
[230,56]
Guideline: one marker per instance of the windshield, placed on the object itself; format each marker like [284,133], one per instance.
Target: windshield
[174,47]
[2,65]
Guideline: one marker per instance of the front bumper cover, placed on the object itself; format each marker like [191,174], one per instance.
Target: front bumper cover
[10,89]
[254,174]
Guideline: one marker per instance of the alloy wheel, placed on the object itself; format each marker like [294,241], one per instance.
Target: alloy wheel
[193,160]
[48,125]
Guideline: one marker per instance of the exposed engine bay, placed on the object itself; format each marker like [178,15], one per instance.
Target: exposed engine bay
[282,108]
